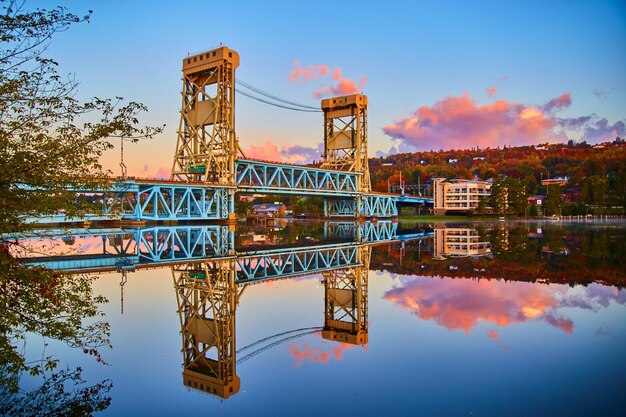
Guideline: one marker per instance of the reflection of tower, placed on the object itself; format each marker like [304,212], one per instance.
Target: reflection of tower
[345,310]
[206,295]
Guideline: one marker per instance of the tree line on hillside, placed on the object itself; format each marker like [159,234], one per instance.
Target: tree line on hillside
[517,172]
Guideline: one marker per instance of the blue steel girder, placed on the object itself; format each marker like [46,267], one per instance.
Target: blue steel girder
[366,232]
[365,205]
[379,205]
[169,201]
[268,177]
[284,264]
[164,244]
[340,207]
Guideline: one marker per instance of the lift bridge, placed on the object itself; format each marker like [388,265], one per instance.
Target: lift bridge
[210,275]
[209,166]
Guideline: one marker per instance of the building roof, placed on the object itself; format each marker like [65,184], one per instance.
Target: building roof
[265,207]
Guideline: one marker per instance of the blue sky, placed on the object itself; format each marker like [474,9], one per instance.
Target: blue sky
[415,54]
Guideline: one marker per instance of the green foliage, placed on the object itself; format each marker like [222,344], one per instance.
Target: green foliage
[483,203]
[49,143]
[532,210]
[243,207]
[553,203]
[508,196]
[594,189]
[45,149]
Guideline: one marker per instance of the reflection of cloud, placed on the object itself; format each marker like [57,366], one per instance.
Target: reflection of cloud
[604,331]
[317,354]
[461,304]
[593,297]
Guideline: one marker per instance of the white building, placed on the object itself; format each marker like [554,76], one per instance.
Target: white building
[458,195]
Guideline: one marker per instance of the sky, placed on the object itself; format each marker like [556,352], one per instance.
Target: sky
[438,75]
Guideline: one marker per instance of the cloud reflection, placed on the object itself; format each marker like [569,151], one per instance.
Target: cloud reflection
[308,353]
[459,304]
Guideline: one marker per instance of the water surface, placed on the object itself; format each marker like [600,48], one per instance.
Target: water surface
[428,319]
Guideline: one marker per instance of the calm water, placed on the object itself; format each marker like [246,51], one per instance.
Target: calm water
[498,319]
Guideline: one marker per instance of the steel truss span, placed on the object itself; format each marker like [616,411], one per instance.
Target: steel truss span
[271,178]
[167,201]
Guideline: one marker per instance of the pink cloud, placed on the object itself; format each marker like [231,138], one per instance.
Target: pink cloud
[461,304]
[343,87]
[305,74]
[459,122]
[558,103]
[296,154]
[493,335]
[340,85]
[491,91]
[267,152]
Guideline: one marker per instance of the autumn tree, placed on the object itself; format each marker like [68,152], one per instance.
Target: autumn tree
[46,150]
[50,143]
[553,203]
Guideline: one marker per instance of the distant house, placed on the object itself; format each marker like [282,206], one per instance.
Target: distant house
[573,194]
[536,200]
[555,181]
[269,209]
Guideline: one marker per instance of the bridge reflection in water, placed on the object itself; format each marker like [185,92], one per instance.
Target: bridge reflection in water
[210,274]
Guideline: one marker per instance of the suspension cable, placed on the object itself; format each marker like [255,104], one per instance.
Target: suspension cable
[268,95]
[276,104]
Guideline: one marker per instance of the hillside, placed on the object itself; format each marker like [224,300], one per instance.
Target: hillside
[577,161]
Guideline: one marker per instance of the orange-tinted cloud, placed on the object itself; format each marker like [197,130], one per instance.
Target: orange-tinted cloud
[493,335]
[266,152]
[270,151]
[338,86]
[344,86]
[459,122]
[491,91]
[461,304]
[317,354]
[304,74]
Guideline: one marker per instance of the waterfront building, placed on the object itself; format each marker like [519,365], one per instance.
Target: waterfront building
[458,195]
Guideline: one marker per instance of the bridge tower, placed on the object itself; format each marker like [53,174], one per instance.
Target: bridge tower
[207,144]
[345,310]
[207,296]
[345,149]
[345,136]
